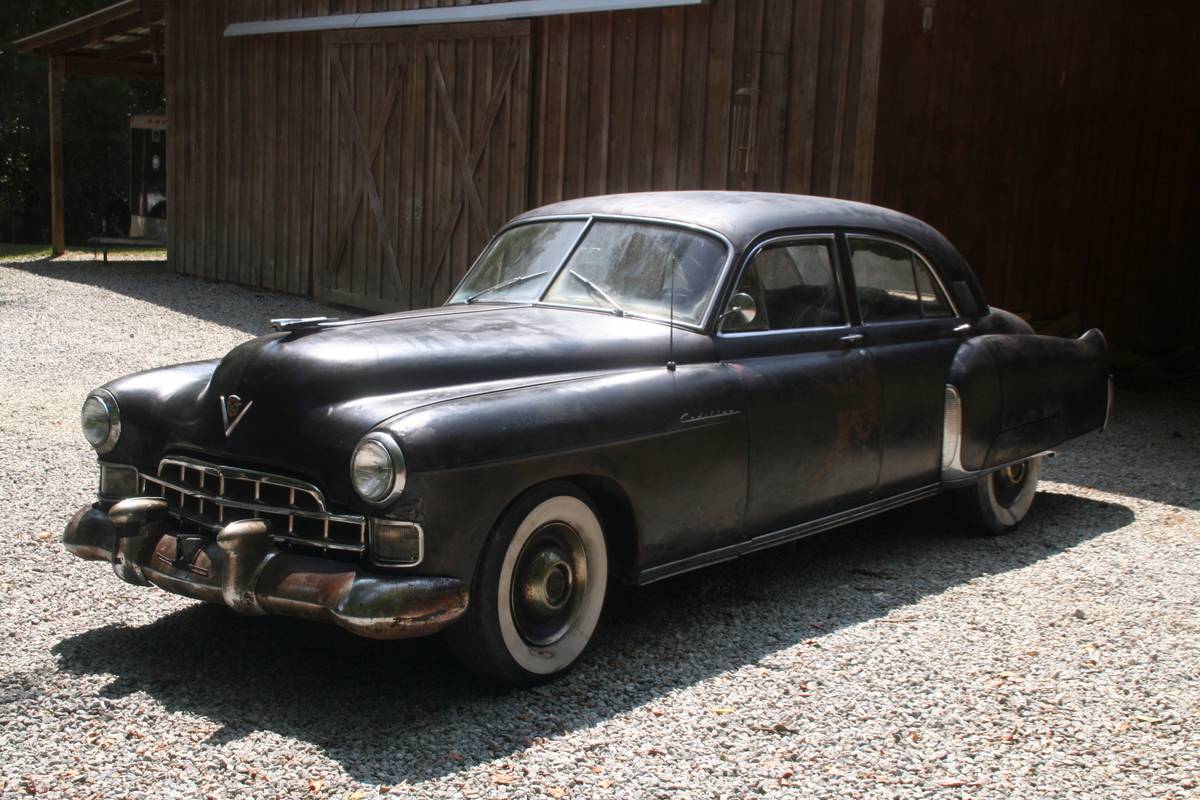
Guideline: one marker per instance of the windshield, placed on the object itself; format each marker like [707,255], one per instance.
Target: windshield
[620,266]
[519,264]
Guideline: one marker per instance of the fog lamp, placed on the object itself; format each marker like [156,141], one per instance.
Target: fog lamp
[118,482]
[399,543]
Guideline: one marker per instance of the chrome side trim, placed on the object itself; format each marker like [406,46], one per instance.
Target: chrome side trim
[967,477]
[1108,406]
[952,435]
[782,536]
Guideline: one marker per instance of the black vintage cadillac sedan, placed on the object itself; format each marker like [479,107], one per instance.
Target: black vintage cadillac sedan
[622,387]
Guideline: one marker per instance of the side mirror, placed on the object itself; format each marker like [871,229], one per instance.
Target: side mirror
[742,309]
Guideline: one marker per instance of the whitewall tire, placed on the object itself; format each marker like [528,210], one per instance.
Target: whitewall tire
[538,591]
[1001,499]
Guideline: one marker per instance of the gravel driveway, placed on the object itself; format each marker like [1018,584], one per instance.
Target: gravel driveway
[894,658]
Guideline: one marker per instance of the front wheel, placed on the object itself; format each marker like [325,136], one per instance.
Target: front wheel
[538,591]
[1001,499]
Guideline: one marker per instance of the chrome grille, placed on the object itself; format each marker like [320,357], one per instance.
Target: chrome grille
[213,496]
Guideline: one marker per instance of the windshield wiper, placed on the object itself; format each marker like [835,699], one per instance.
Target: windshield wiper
[505,284]
[596,291]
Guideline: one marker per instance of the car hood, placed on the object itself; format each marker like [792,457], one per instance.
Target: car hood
[453,347]
[308,396]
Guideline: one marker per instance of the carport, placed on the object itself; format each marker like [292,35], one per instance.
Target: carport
[124,40]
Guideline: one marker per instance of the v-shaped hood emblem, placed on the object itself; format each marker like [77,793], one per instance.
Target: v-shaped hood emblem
[233,409]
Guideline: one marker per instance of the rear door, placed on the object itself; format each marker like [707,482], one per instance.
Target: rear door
[812,394]
[912,332]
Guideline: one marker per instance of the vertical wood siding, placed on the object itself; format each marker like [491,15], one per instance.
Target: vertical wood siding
[770,95]
[1055,144]
[773,95]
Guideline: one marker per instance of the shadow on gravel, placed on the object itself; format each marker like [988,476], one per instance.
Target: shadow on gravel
[1152,451]
[153,282]
[391,712]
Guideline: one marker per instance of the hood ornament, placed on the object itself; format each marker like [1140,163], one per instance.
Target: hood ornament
[232,411]
[289,324]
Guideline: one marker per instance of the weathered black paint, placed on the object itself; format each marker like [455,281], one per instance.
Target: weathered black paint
[748,435]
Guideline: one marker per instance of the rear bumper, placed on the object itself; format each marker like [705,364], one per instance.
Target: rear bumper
[243,569]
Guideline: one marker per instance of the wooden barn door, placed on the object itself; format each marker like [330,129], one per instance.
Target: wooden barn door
[426,144]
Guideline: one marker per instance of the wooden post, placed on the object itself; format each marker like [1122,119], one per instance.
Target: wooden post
[58,244]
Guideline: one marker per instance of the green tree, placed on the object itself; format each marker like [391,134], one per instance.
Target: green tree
[95,131]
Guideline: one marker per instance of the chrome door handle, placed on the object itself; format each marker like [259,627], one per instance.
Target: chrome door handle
[966,326]
[852,338]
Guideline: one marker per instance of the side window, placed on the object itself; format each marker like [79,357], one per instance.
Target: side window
[793,285]
[893,284]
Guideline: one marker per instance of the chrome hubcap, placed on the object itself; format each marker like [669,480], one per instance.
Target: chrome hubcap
[1009,482]
[549,581]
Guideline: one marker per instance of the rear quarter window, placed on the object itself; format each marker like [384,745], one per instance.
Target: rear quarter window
[893,284]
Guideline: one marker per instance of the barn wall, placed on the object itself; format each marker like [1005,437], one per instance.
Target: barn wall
[774,95]
[761,94]
[1055,143]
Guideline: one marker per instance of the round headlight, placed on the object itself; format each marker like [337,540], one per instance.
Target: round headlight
[377,468]
[101,420]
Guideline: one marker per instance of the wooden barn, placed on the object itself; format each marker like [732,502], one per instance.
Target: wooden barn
[363,151]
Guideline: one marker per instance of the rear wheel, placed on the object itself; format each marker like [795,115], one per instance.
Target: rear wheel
[538,592]
[1001,499]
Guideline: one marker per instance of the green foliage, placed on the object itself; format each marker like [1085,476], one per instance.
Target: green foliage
[95,131]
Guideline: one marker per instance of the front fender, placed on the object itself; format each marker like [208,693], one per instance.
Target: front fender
[684,478]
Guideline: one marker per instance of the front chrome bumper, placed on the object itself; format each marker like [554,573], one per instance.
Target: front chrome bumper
[242,568]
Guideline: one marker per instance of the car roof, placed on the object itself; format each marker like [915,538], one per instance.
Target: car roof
[744,217]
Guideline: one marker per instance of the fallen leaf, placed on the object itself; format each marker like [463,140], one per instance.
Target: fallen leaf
[505,778]
[316,785]
[723,710]
[384,789]
[606,783]
[556,792]
[356,795]
[597,770]
[1151,720]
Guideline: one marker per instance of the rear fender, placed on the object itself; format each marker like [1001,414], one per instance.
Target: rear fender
[1023,394]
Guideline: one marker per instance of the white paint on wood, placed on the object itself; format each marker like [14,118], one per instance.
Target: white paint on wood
[516,9]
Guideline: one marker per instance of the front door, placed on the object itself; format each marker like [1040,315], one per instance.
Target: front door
[812,394]
[426,155]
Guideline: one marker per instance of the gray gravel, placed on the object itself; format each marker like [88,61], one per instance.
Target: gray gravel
[892,659]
